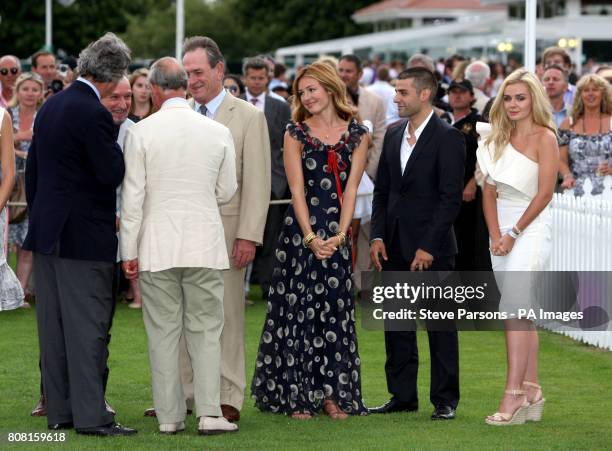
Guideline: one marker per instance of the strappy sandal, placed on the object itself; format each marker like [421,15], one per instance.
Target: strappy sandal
[536,407]
[333,411]
[508,419]
[301,416]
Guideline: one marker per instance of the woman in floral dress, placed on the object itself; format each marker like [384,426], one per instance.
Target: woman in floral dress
[308,359]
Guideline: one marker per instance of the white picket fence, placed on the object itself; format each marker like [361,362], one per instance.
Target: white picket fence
[582,241]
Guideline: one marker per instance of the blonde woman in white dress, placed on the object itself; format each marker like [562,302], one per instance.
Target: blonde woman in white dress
[11,294]
[519,157]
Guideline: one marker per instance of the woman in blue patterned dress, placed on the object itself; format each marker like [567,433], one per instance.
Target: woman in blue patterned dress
[585,137]
[308,360]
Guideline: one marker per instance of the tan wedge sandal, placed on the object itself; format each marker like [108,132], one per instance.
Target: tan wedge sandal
[536,407]
[508,419]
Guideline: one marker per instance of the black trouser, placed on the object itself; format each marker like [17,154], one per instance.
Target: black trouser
[74,306]
[402,365]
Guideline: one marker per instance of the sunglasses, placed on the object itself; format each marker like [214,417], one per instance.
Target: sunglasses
[233,89]
[5,71]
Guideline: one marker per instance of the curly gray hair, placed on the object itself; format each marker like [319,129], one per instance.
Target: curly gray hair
[105,60]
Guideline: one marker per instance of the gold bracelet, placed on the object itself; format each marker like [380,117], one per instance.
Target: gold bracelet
[309,239]
[342,237]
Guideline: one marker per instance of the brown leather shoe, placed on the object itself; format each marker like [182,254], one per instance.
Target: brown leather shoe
[40,410]
[150,412]
[230,413]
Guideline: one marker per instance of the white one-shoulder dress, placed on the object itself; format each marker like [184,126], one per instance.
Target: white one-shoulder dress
[515,177]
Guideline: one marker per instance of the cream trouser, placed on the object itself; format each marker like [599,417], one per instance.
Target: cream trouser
[183,304]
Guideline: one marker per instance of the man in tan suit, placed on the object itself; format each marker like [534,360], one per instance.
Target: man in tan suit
[244,217]
[371,108]
[179,167]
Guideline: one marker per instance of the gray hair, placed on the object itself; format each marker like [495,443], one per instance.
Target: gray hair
[478,73]
[421,60]
[105,60]
[167,73]
[256,63]
[208,45]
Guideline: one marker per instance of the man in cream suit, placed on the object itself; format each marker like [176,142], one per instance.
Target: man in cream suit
[179,167]
[244,217]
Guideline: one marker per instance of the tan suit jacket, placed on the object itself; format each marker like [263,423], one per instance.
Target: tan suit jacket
[373,108]
[179,166]
[253,168]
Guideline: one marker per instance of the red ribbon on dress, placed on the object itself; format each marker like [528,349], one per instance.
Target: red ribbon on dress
[333,165]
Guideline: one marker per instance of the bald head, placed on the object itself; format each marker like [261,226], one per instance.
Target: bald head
[168,79]
[118,103]
[10,69]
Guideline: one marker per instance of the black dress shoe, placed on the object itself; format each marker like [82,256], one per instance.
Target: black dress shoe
[112,429]
[443,413]
[393,405]
[59,426]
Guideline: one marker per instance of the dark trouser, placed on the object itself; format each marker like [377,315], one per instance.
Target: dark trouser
[402,363]
[264,257]
[74,305]
[116,283]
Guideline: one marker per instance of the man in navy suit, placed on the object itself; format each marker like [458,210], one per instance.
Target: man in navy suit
[74,166]
[417,197]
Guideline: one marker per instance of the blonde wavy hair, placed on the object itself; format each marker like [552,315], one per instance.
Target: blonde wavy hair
[142,72]
[27,76]
[599,83]
[324,73]
[502,125]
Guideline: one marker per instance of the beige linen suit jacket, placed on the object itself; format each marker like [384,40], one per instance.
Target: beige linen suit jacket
[372,108]
[179,166]
[253,168]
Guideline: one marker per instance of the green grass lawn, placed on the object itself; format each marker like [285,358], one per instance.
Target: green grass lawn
[577,382]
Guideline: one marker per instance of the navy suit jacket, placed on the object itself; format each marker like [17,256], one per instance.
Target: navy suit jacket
[73,168]
[419,206]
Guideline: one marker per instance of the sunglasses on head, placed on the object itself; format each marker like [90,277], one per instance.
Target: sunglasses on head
[5,71]
[232,88]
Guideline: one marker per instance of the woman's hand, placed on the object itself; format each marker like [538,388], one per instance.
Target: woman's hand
[502,246]
[568,181]
[322,249]
[604,169]
[333,242]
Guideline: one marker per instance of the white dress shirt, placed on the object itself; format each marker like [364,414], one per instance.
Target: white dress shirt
[90,84]
[406,149]
[213,105]
[260,104]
